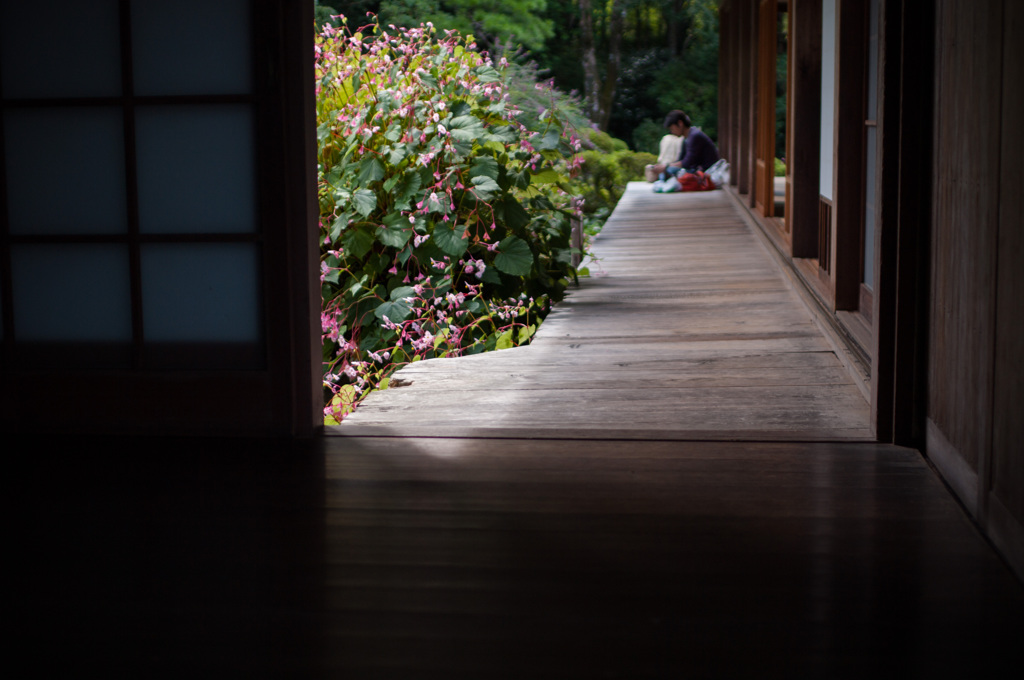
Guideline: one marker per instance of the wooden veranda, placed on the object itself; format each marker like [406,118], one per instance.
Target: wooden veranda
[687,329]
[676,480]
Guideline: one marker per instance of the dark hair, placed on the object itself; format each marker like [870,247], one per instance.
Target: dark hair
[677,116]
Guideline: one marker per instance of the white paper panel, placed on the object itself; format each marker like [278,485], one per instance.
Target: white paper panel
[71,292]
[196,169]
[191,47]
[60,48]
[204,292]
[65,171]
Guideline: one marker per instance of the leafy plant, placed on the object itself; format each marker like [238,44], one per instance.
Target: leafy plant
[444,223]
[607,166]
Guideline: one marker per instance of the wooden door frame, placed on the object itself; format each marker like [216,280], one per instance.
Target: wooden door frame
[284,395]
[899,366]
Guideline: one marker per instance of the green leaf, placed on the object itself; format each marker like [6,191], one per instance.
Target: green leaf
[461,108]
[428,79]
[402,292]
[396,231]
[487,74]
[354,289]
[324,131]
[547,176]
[505,340]
[395,310]
[484,187]
[501,134]
[404,256]
[407,189]
[370,170]
[484,166]
[356,242]
[519,179]
[338,225]
[398,154]
[466,128]
[549,140]
[365,201]
[512,213]
[514,257]
[450,241]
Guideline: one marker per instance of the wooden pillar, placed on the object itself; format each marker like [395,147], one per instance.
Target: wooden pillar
[805,118]
[724,77]
[899,366]
[848,176]
[735,96]
[745,89]
[728,91]
[766,32]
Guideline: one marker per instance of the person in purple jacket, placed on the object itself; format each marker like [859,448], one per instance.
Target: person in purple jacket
[698,152]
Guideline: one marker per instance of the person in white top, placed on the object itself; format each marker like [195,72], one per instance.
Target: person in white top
[669,151]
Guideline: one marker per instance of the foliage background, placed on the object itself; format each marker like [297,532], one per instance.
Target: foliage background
[666,54]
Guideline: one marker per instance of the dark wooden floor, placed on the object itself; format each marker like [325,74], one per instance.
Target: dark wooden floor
[492,558]
[608,545]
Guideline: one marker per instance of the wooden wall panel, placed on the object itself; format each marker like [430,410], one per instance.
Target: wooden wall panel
[1007,469]
[965,223]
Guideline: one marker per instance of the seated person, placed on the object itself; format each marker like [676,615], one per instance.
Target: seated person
[698,152]
[668,152]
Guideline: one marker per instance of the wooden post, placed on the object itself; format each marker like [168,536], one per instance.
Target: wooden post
[576,241]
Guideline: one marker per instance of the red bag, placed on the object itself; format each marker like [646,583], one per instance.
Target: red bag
[695,181]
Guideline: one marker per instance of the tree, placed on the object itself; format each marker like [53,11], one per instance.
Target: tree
[600,91]
[494,23]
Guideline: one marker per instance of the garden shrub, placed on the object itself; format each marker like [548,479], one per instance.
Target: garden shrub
[604,175]
[647,136]
[444,226]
